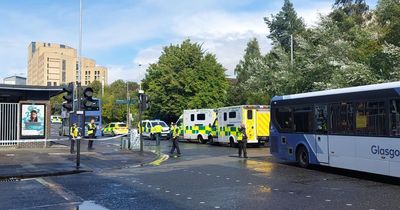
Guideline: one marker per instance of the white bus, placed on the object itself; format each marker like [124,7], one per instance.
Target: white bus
[355,128]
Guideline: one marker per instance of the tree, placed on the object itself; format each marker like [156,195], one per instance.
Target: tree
[388,18]
[284,24]
[185,77]
[96,86]
[239,94]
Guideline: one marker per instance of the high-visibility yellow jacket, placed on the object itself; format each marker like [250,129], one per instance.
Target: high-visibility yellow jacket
[91,128]
[175,131]
[74,131]
[158,129]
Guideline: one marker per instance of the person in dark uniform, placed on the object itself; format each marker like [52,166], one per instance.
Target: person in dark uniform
[91,133]
[242,141]
[175,143]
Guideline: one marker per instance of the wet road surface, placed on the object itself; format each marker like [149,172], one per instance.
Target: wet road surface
[207,177]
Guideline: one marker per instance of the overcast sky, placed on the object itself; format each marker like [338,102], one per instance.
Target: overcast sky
[123,34]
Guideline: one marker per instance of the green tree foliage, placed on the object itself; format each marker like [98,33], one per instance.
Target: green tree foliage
[285,23]
[347,48]
[185,77]
[239,93]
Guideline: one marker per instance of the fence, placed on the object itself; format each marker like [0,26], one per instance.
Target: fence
[9,113]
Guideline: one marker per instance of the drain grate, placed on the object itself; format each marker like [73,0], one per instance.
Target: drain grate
[12,179]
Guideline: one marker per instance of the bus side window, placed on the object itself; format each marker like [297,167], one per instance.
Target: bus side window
[321,116]
[395,117]
[225,116]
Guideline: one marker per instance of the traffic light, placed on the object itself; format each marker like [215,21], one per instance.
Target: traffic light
[87,101]
[144,102]
[69,97]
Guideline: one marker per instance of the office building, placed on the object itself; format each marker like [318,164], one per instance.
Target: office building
[52,64]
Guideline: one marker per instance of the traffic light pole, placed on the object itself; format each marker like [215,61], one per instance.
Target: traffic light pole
[78,114]
[140,121]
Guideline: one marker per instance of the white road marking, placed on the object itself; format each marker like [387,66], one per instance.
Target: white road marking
[249,183]
[276,189]
[202,202]
[158,188]
[148,185]
[291,192]
[217,207]
[218,176]
[189,198]
[328,200]
[177,194]
[349,204]
[237,180]
[308,196]
[228,178]
[208,174]
[167,191]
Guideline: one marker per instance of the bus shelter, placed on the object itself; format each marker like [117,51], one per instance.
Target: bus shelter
[25,114]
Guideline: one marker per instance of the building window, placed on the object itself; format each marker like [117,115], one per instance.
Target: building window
[55,83]
[48,83]
[64,71]
[62,46]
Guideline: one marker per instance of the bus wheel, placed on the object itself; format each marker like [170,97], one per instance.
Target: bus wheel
[201,140]
[302,157]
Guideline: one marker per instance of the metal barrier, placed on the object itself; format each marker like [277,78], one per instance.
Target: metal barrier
[8,123]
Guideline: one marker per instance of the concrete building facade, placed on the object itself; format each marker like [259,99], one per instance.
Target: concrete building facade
[52,64]
[14,80]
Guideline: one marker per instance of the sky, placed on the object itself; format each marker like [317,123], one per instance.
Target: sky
[127,35]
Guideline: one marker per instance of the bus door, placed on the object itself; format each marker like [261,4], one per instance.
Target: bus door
[249,115]
[321,133]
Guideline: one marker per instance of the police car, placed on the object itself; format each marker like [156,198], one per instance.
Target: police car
[148,128]
[56,119]
[115,128]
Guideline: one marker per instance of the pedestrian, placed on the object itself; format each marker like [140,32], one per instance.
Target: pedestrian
[73,135]
[242,141]
[171,131]
[175,142]
[91,133]
[158,129]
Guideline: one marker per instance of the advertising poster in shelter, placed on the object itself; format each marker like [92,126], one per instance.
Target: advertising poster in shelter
[33,120]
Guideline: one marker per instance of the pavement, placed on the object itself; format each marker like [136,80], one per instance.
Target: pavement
[204,177]
[57,160]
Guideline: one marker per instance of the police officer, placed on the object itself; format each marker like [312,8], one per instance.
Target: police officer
[74,132]
[158,129]
[175,143]
[91,133]
[242,141]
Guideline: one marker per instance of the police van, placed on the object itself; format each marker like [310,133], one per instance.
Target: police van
[256,119]
[195,124]
[149,131]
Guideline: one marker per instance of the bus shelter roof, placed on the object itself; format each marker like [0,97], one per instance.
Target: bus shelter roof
[17,93]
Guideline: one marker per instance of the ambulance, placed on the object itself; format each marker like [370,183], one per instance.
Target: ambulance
[195,124]
[225,128]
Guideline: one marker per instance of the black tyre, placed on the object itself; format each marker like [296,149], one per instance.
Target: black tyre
[302,156]
[112,133]
[201,140]
[211,140]
[232,143]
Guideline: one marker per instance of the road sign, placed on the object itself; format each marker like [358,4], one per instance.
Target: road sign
[125,101]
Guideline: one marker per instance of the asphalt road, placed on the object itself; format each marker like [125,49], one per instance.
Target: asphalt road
[206,177]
